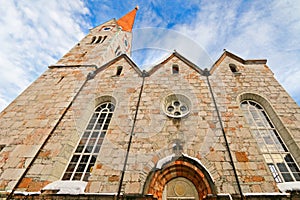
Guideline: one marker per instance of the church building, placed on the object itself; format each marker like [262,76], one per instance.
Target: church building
[96,126]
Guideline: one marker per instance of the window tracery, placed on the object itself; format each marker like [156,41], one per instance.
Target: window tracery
[275,152]
[85,155]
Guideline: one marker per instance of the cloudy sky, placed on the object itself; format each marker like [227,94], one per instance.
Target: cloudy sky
[36,33]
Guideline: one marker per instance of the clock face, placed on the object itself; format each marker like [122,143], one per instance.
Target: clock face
[107,28]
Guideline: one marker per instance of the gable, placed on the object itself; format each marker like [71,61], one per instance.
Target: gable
[235,59]
[175,58]
[111,68]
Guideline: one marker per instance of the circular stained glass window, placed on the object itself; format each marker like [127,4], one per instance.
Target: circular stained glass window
[176,105]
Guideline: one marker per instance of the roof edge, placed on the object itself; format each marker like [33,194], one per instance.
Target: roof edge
[237,58]
[126,57]
[182,58]
[108,21]
[61,66]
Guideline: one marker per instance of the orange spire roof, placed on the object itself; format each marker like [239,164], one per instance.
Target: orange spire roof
[127,21]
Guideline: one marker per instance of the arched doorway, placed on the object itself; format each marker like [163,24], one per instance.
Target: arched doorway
[180,178]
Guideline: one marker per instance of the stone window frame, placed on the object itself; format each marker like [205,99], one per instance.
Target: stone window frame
[282,135]
[98,39]
[93,39]
[176,105]
[2,146]
[118,51]
[175,69]
[119,70]
[234,69]
[85,155]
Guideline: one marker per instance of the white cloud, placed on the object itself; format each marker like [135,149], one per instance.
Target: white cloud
[35,34]
[255,29]
[250,29]
[153,44]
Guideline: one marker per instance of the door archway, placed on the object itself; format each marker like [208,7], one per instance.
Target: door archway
[173,176]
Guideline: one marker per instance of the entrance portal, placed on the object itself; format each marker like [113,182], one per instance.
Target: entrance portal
[181,178]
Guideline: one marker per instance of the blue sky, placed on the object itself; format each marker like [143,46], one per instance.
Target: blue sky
[35,34]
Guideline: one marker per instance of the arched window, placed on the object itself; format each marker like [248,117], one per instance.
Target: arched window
[104,38]
[98,40]
[118,51]
[233,68]
[93,39]
[84,157]
[119,70]
[276,154]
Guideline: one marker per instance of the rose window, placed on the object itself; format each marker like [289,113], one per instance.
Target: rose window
[176,105]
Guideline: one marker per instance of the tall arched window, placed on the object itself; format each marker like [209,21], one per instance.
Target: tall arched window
[85,155]
[276,154]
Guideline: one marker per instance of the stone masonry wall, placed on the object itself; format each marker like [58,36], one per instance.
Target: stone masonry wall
[199,133]
[99,46]
[155,133]
[257,79]
[54,158]
[28,120]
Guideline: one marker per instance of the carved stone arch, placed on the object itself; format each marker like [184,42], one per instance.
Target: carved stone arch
[180,167]
[103,99]
[274,117]
[257,98]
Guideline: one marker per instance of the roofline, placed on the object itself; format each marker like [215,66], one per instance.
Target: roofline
[182,58]
[111,20]
[61,66]
[237,58]
[126,57]
[174,54]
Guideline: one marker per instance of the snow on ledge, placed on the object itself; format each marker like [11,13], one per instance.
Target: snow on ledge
[67,187]
[266,194]
[164,160]
[289,186]
[225,195]
[200,163]
[104,194]
[26,193]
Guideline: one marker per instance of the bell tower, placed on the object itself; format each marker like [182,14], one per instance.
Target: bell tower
[103,43]
[47,101]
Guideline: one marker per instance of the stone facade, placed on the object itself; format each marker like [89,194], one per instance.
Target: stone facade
[41,129]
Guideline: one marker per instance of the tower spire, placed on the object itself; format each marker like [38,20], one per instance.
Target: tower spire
[127,21]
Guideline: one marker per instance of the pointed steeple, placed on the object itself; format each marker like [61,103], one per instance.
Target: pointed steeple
[127,21]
